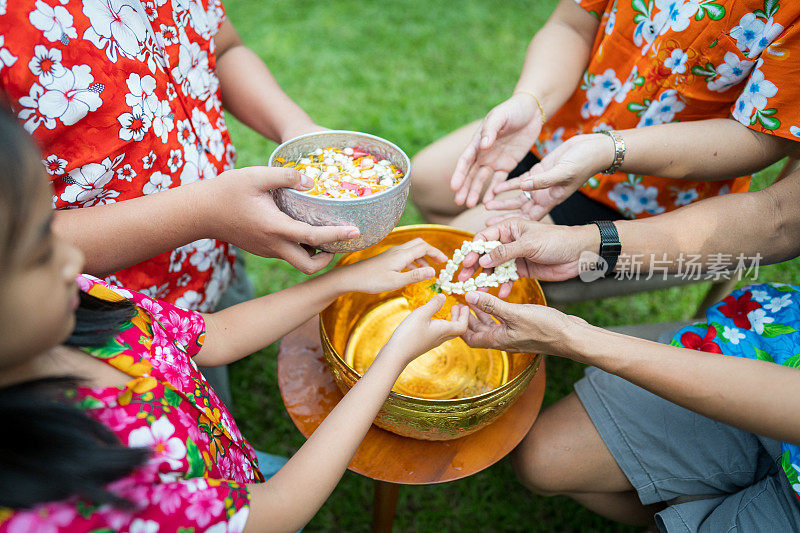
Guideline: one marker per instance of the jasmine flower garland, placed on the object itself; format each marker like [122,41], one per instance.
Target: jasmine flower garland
[502,273]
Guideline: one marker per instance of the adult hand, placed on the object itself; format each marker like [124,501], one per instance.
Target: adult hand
[243,212]
[392,269]
[523,327]
[543,251]
[504,137]
[417,333]
[556,177]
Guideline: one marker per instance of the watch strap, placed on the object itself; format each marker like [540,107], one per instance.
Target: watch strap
[610,247]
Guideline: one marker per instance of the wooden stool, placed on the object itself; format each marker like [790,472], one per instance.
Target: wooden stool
[309,393]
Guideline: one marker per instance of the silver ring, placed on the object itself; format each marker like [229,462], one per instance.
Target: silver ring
[527,195]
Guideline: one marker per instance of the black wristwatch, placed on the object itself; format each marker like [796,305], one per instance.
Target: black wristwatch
[610,247]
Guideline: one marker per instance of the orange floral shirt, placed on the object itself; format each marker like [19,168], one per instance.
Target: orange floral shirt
[660,61]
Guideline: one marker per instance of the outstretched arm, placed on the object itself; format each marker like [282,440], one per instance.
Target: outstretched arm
[251,93]
[713,149]
[756,396]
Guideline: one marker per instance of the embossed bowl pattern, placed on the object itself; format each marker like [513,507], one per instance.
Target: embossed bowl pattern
[375,215]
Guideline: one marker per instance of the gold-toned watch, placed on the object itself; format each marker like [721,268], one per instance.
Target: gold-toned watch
[619,151]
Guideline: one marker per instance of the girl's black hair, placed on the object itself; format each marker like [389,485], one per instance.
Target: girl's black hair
[52,450]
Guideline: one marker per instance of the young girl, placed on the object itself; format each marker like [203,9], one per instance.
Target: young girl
[134,439]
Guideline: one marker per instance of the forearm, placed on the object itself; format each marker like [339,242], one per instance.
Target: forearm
[714,149]
[288,500]
[251,93]
[752,395]
[118,235]
[748,224]
[571,31]
[242,329]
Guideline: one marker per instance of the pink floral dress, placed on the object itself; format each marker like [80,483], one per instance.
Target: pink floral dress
[196,477]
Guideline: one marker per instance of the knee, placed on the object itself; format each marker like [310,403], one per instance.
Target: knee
[426,178]
[540,464]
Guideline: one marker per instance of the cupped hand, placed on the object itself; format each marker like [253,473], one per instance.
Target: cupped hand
[551,181]
[241,211]
[543,251]
[418,332]
[396,267]
[527,328]
[504,137]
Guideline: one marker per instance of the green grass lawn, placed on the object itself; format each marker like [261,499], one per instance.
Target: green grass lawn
[412,71]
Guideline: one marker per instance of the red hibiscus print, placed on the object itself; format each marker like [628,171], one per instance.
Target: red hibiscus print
[737,309]
[693,341]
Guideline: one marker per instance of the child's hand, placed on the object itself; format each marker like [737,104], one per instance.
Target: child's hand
[392,269]
[418,333]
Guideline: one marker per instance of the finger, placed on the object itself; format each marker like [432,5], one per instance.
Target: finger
[497,178]
[431,307]
[494,122]
[295,255]
[505,290]
[507,204]
[296,231]
[417,274]
[476,187]
[504,253]
[484,318]
[491,305]
[465,164]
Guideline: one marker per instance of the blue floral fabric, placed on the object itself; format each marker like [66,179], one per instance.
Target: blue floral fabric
[757,322]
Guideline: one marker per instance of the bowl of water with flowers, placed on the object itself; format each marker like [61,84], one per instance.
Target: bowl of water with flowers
[359,179]
[452,390]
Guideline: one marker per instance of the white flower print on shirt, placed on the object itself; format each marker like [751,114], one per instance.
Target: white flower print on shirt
[753,34]
[209,135]
[673,15]
[55,23]
[158,182]
[86,183]
[662,110]
[6,58]
[758,318]
[159,437]
[162,120]
[761,296]
[685,197]
[175,160]
[732,334]
[192,72]
[46,63]
[149,160]
[54,165]
[133,125]
[776,304]
[636,199]
[30,112]
[116,26]
[150,10]
[186,134]
[676,62]
[601,93]
[126,173]
[189,300]
[754,96]
[730,73]
[167,35]
[141,92]
[71,96]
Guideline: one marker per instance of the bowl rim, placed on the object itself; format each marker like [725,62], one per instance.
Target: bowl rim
[535,362]
[334,201]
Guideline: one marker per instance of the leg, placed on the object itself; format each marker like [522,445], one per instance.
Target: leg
[564,454]
[431,171]
[384,506]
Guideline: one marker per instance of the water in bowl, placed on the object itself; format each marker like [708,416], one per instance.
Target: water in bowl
[452,370]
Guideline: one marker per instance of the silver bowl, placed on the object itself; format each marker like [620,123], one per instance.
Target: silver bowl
[374,215]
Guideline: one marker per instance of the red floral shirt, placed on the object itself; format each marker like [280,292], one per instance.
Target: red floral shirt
[200,463]
[124,101]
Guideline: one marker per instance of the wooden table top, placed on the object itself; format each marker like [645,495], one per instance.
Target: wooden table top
[310,393]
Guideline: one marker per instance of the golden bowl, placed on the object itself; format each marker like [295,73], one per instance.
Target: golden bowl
[428,419]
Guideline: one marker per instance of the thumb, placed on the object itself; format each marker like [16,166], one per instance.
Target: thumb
[503,253]
[491,305]
[279,177]
[431,307]
[493,124]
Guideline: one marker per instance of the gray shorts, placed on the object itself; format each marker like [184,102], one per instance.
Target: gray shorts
[713,477]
